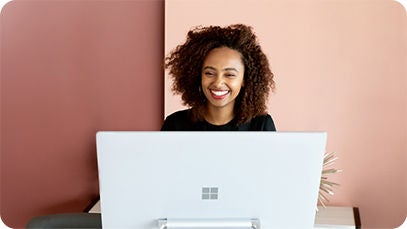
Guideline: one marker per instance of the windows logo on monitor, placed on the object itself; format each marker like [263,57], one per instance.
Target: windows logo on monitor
[210,193]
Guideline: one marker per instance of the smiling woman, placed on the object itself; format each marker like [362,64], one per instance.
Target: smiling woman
[224,77]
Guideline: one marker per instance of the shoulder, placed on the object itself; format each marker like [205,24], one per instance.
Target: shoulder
[177,120]
[260,123]
[182,114]
[265,122]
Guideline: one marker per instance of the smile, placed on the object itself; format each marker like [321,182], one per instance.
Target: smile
[219,94]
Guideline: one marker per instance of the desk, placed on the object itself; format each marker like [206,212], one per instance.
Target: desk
[337,217]
[329,217]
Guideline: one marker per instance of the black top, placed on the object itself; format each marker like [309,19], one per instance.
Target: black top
[181,121]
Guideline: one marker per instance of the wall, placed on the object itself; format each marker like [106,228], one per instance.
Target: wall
[340,67]
[69,69]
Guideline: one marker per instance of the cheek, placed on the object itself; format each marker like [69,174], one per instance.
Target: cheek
[204,83]
[237,84]
[203,79]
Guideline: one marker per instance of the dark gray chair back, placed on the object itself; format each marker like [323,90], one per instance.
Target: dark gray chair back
[67,220]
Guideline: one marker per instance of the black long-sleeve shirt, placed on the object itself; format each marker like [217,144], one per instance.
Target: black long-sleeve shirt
[181,121]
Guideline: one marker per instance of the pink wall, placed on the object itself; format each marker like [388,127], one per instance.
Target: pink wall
[69,69]
[340,67]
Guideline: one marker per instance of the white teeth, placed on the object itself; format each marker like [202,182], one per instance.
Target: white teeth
[219,93]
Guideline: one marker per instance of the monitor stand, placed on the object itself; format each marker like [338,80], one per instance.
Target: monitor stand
[209,223]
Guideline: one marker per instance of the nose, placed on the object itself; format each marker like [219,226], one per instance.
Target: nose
[218,81]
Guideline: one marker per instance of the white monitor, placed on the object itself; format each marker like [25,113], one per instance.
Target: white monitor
[211,179]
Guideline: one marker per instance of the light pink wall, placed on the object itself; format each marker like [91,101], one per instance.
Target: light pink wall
[340,67]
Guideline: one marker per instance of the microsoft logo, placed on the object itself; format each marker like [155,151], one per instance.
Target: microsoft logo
[210,193]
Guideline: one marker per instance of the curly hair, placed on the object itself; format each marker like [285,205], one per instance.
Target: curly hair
[185,65]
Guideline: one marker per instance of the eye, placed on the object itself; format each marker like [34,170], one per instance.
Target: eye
[209,73]
[229,75]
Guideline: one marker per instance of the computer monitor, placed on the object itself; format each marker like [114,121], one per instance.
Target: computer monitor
[209,179]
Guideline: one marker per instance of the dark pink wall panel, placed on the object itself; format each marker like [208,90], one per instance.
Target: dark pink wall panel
[69,69]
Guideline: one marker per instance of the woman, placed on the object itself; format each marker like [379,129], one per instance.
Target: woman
[223,75]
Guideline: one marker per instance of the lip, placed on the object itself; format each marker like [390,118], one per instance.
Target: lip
[219,94]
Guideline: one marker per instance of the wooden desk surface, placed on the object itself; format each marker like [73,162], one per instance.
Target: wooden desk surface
[329,217]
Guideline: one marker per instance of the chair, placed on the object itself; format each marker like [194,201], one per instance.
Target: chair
[66,220]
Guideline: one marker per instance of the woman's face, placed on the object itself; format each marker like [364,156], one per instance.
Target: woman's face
[222,77]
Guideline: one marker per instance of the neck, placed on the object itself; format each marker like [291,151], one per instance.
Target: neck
[219,116]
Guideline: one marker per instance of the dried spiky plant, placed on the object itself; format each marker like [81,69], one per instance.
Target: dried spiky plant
[326,186]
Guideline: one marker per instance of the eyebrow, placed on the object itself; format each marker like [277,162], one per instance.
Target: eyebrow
[225,69]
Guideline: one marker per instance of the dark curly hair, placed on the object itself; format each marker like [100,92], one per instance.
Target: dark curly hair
[185,65]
